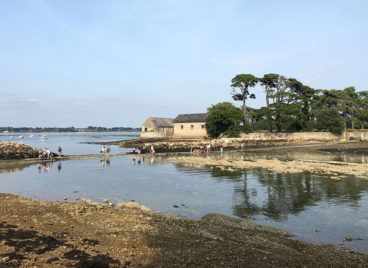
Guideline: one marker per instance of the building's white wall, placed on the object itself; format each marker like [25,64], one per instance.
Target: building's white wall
[190,130]
[153,135]
[149,130]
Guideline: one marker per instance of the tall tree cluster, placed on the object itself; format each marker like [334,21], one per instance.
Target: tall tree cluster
[292,106]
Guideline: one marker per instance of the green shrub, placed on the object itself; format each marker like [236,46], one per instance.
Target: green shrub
[223,118]
[329,120]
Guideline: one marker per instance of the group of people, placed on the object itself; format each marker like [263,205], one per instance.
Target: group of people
[197,150]
[47,153]
[105,150]
[141,150]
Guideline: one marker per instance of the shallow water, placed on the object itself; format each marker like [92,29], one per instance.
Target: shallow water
[314,208]
[72,142]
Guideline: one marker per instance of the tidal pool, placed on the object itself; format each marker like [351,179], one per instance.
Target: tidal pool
[314,208]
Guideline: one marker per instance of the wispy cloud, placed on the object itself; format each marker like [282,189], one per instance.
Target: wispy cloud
[31,99]
[13,99]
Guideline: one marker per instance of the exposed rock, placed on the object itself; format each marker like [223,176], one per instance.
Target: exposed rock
[348,238]
[105,200]
[133,205]
[12,150]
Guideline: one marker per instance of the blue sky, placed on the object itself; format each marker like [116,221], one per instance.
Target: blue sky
[114,63]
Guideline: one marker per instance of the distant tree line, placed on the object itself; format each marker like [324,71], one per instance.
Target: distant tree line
[38,129]
[66,129]
[292,106]
[105,129]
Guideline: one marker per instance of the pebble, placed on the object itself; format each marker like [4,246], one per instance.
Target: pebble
[348,238]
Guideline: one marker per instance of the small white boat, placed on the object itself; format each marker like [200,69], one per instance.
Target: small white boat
[20,137]
[5,131]
[44,137]
[30,136]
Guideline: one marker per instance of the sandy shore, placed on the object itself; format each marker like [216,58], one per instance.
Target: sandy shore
[85,234]
[332,168]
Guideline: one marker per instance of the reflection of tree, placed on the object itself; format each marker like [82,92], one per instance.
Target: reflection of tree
[9,167]
[216,172]
[284,194]
[226,174]
[260,191]
[247,207]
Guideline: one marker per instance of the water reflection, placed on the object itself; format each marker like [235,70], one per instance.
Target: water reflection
[105,162]
[314,208]
[279,195]
[59,166]
[10,167]
[226,174]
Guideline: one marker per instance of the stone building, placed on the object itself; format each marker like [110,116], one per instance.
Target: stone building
[190,126]
[155,127]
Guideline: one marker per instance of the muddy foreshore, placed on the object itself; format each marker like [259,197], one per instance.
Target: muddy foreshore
[332,168]
[86,234]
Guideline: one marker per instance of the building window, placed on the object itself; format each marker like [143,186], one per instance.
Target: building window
[202,126]
[145,129]
[191,126]
[182,127]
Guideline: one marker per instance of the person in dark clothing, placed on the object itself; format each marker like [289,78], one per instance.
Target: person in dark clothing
[60,150]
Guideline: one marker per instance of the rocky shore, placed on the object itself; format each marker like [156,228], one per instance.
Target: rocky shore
[166,146]
[12,150]
[86,234]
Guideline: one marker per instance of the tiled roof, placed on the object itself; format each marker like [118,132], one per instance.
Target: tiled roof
[162,122]
[190,118]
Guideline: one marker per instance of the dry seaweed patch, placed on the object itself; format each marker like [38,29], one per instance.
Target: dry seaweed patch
[86,234]
[296,166]
[13,150]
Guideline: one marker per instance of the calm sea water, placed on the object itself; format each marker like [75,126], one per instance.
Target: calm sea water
[71,143]
[314,208]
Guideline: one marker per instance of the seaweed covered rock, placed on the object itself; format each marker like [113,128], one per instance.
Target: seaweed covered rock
[216,144]
[12,150]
